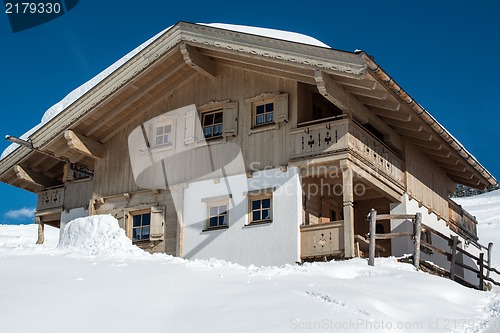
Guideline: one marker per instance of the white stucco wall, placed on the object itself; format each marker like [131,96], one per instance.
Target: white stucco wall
[71,215]
[275,243]
[404,245]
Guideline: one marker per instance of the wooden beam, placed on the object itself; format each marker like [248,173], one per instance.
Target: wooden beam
[456,167]
[35,178]
[364,84]
[411,126]
[375,93]
[84,145]
[336,94]
[452,160]
[421,136]
[460,180]
[440,153]
[198,61]
[427,144]
[462,175]
[381,104]
[396,115]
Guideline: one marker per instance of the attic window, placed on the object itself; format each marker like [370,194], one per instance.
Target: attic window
[264,113]
[163,135]
[212,124]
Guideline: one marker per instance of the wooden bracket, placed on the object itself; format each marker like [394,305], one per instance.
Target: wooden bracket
[198,61]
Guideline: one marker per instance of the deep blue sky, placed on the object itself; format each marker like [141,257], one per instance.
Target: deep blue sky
[444,53]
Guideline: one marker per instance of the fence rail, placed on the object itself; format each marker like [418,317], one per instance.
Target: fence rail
[484,266]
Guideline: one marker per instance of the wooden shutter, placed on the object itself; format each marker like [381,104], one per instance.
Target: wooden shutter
[157,223]
[189,126]
[281,108]
[230,119]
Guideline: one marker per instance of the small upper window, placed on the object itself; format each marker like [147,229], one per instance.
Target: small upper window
[163,135]
[212,124]
[264,113]
[217,215]
[141,226]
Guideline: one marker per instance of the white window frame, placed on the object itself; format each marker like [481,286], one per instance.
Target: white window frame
[213,111]
[260,195]
[167,120]
[216,202]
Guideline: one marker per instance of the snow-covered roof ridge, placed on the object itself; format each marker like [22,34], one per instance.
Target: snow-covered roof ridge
[87,86]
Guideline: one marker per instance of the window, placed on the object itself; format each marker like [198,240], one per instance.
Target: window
[260,208]
[217,215]
[212,124]
[141,226]
[163,135]
[264,113]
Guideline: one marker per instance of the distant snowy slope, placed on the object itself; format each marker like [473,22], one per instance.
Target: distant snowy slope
[84,88]
[486,208]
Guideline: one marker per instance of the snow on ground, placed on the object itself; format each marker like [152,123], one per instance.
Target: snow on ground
[80,286]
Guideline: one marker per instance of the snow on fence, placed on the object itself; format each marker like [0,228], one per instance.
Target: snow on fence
[484,267]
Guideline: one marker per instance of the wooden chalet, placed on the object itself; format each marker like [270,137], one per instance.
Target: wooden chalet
[312,137]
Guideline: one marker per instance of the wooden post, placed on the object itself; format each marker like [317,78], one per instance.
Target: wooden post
[348,208]
[41,235]
[481,268]
[454,243]
[417,233]
[490,249]
[373,228]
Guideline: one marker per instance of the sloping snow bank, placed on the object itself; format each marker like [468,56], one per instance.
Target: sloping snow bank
[96,235]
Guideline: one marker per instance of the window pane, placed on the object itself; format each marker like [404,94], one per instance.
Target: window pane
[213,221]
[259,109]
[218,118]
[159,140]
[266,214]
[269,117]
[159,131]
[222,220]
[136,234]
[207,131]
[217,130]
[270,107]
[260,119]
[256,215]
[137,220]
[146,219]
[208,119]
[255,204]
[168,129]
[266,203]
[145,233]
[223,209]
[214,211]
[167,138]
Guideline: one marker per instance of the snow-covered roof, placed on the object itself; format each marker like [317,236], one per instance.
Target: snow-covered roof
[84,88]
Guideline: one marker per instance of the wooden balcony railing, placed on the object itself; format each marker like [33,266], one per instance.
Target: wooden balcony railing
[322,240]
[50,199]
[342,135]
[461,221]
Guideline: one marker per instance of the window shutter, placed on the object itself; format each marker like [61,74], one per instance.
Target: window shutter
[157,223]
[281,108]
[189,127]
[230,119]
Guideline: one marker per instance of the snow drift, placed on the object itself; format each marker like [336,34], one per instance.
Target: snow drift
[96,235]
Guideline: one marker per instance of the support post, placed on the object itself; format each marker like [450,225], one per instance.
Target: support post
[373,228]
[490,249]
[481,268]
[417,233]
[454,243]
[348,209]
[41,233]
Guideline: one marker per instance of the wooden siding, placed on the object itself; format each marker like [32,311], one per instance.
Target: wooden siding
[426,182]
[77,194]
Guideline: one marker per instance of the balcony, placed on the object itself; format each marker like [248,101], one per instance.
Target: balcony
[324,240]
[331,137]
[50,199]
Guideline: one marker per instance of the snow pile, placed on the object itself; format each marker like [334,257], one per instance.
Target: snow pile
[97,235]
[84,88]
[23,238]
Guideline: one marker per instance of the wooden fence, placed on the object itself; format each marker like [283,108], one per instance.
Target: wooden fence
[484,267]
